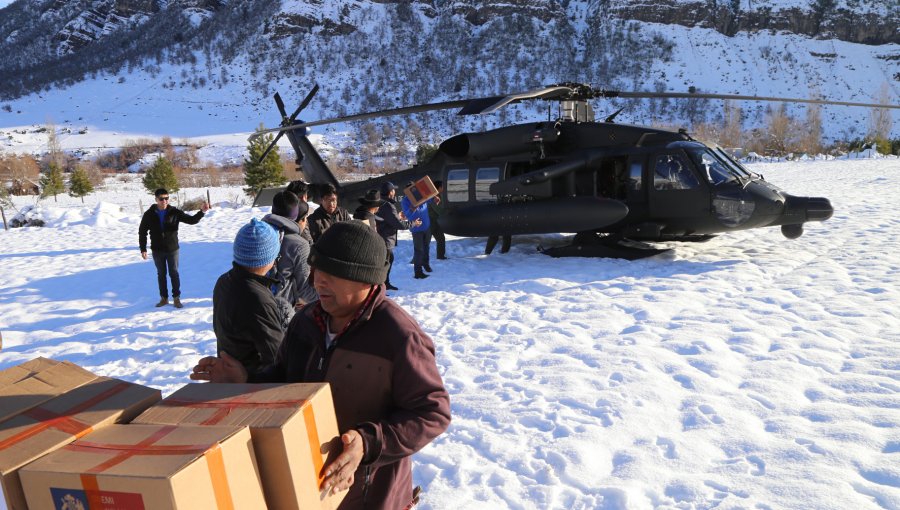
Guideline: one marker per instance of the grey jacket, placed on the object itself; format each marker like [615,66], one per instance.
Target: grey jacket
[292,268]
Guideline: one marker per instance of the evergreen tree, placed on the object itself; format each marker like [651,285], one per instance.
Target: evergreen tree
[262,174]
[80,184]
[425,152]
[161,175]
[52,182]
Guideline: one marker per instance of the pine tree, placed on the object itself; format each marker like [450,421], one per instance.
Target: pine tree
[80,184]
[161,175]
[266,173]
[52,182]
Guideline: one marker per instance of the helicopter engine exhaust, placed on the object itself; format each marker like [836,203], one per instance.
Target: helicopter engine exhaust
[533,217]
[504,141]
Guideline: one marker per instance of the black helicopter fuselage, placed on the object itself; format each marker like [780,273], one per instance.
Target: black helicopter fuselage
[573,177]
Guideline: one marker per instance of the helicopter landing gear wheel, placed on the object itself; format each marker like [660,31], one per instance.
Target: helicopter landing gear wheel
[792,231]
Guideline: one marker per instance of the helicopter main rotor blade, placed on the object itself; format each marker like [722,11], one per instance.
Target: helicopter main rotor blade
[467,107]
[492,104]
[561,92]
[364,116]
[737,97]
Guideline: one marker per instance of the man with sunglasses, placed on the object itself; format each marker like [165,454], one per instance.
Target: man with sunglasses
[161,221]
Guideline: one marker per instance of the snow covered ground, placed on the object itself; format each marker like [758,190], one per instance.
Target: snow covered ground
[751,371]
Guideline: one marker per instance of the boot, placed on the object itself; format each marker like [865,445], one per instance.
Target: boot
[427,268]
[420,275]
[388,286]
[178,303]
[162,302]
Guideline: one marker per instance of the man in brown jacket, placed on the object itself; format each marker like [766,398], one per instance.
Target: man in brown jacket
[389,398]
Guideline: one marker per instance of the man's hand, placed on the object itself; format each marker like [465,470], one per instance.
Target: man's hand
[339,472]
[417,223]
[223,369]
[144,255]
[204,207]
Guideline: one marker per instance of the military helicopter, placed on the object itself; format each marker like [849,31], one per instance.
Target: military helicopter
[610,184]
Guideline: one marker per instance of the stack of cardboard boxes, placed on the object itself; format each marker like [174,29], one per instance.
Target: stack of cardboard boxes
[70,439]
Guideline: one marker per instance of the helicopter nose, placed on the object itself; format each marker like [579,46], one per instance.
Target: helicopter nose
[818,209]
[803,209]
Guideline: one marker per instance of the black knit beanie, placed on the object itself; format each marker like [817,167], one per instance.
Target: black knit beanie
[351,250]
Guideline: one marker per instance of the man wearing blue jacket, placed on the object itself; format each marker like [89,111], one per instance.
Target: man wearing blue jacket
[419,230]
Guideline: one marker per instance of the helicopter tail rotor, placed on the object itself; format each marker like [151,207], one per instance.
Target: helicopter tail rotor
[288,121]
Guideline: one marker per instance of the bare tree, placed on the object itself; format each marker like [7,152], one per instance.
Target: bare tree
[881,121]
[732,131]
[779,127]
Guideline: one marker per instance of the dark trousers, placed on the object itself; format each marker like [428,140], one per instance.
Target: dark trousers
[439,239]
[170,259]
[390,254]
[421,241]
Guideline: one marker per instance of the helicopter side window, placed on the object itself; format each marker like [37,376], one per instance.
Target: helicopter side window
[672,173]
[457,185]
[484,177]
[635,176]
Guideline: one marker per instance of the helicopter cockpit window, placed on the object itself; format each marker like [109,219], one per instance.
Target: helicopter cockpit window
[484,177]
[457,186]
[672,172]
[734,164]
[714,168]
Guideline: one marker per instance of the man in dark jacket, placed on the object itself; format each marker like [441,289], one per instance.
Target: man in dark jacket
[389,398]
[390,223]
[368,209]
[162,220]
[246,317]
[291,268]
[328,212]
[301,189]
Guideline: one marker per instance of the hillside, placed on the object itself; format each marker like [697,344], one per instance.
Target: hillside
[202,67]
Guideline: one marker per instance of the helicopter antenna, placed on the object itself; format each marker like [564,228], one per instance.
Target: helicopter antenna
[612,117]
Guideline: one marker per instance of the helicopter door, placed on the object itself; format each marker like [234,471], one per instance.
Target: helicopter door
[676,193]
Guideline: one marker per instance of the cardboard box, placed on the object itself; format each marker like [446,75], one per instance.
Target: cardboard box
[293,426]
[421,191]
[22,371]
[56,422]
[39,387]
[158,467]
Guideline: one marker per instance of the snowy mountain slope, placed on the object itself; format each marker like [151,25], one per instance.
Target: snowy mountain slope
[369,55]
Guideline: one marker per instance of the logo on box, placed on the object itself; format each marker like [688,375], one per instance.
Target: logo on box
[76,499]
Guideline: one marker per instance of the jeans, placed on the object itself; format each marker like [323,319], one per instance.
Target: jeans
[421,240]
[170,259]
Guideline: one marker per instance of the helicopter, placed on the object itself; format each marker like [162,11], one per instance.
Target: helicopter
[616,187]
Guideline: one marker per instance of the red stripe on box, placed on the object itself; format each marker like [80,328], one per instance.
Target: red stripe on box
[61,421]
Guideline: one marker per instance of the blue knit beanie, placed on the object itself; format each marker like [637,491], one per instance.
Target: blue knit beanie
[256,244]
